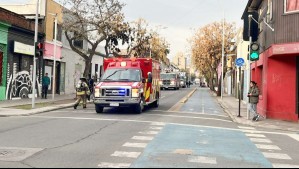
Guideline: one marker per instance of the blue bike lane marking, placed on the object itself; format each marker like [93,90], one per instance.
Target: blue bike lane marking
[201,102]
[229,148]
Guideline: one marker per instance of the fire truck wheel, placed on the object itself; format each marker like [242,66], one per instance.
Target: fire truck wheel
[156,103]
[139,108]
[99,109]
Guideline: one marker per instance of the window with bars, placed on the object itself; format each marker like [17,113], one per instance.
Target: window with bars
[291,6]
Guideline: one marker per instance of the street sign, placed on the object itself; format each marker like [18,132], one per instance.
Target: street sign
[240,62]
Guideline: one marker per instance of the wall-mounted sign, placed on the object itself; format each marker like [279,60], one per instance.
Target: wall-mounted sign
[23,48]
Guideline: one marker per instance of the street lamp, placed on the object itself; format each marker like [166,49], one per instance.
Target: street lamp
[54,56]
[34,61]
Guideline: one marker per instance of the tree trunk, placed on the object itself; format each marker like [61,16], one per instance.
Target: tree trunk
[219,88]
[87,68]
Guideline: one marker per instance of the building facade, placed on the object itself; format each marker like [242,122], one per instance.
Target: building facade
[277,70]
[17,56]
[3,57]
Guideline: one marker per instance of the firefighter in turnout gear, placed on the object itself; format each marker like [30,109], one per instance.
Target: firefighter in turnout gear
[82,92]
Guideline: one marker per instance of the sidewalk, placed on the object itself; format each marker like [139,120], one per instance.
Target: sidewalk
[231,105]
[8,107]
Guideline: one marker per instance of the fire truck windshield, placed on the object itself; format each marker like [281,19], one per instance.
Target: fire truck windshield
[168,76]
[132,75]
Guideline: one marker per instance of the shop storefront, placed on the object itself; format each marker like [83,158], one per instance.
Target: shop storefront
[20,64]
[3,58]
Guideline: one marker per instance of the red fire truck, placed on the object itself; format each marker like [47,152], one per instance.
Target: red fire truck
[128,82]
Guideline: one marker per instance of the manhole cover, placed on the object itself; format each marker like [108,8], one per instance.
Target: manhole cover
[16,154]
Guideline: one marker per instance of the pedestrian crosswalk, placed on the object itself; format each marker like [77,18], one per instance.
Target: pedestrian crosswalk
[139,142]
[131,150]
[269,150]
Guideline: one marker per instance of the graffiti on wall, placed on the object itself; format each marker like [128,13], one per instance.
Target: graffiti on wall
[20,85]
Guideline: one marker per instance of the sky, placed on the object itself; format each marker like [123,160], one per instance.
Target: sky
[177,20]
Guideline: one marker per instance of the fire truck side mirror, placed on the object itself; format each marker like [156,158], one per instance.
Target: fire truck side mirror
[143,80]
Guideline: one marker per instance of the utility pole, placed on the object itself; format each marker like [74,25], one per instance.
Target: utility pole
[34,59]
[249,66]
[222,60]
[54,59]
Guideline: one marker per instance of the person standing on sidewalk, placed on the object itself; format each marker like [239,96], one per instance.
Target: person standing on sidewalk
[91,86]
[253,95]
[45,86]
[82,90]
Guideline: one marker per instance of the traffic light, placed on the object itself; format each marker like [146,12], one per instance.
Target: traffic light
[254,51]
[38,49]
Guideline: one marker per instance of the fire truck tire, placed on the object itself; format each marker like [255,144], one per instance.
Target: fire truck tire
[99,109]
[139,108]
[156,103]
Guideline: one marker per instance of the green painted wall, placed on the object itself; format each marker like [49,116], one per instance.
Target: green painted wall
[3,47]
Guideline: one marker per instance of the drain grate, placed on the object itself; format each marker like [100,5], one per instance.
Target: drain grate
[16,154]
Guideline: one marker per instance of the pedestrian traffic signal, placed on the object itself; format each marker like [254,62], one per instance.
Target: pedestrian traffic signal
[38,49]
[254,51]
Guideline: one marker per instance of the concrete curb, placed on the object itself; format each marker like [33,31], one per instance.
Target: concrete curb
[188,96]
[39,111]
[250,123]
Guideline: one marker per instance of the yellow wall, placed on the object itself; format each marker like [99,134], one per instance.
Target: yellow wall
[52,7]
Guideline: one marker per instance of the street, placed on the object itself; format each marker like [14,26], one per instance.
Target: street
[194,134]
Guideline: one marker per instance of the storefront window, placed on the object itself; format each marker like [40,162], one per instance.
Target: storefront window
[291,6]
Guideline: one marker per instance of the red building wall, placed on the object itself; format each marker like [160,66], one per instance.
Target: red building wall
[275,74]
[281,77]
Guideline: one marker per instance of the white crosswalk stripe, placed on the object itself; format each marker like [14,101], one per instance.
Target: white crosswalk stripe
[114,165]
[149,132]
[142,138]
[136,145]
[256,135]
[126,154]
[277,156]
[156,128]
[259,140]
[284,166]
[201,159]
[267,147]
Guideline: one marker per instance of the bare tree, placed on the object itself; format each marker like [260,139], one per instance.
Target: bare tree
[93,21]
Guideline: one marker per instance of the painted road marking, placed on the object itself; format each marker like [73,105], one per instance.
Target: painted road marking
[114,165]
[201,159]
[156,128]
[142,138]
[151,122]
[158,124]
[213,147]
[277,156]
[247,128]
[135,145]
[285,166]
[149,132]
[260,140]
[193,113]
[126,154]
[206,118]
[267,147]
[256,135]
[294,136]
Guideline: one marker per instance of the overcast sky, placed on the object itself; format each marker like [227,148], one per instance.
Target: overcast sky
[176,20]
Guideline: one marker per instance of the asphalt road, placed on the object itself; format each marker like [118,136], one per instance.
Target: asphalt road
[194,134]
